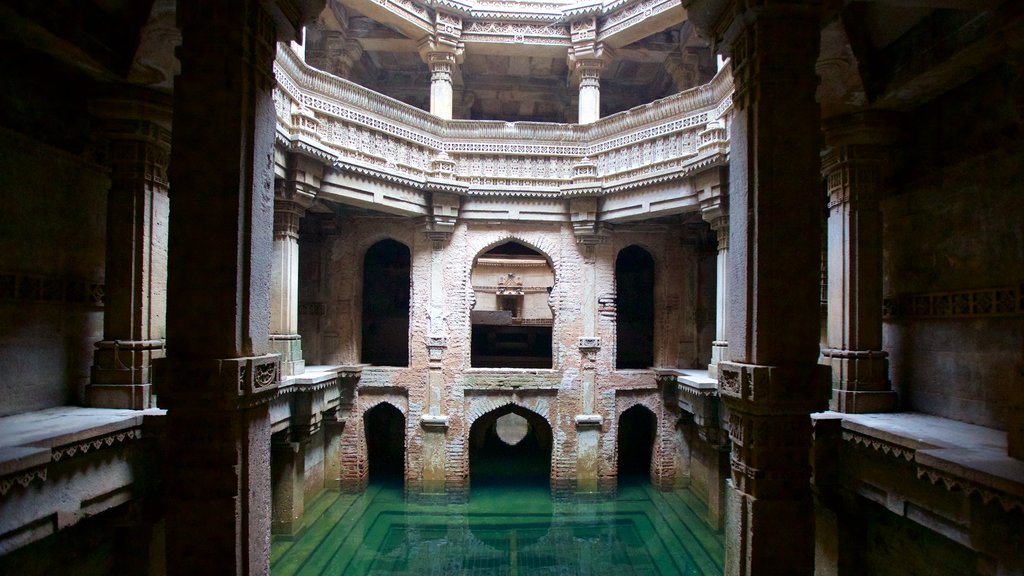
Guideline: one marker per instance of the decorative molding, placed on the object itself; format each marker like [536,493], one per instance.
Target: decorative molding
[887,448]
[41,288]
[23,478]
[953,483]
[364,132]
[65,452]
[979,303]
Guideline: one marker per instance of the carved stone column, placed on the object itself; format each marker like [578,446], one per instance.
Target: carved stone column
[219,376]
[771,381]
[718,217]
[443,53]
[853,168]
[586,61]
[589,421]
[294,194]
[137,130]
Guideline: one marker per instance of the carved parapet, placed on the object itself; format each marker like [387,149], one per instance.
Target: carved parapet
[696,396]
[363,132]
[225,384]
[714,139]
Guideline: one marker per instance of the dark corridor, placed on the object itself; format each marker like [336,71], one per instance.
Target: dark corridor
[384,426]
[386,281]
[637,429]
[634,302]
[494,461]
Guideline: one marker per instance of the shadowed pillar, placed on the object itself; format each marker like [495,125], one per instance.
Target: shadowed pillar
[219,376]
[853,168]
[771,381]
[291,199]
[136,127]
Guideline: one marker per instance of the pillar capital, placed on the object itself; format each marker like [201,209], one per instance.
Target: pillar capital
[586,62]
[443,55]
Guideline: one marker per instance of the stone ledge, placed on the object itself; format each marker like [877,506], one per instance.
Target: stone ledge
[960,456]
[43,488]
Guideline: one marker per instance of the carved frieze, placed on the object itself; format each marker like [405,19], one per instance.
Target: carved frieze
[367,133]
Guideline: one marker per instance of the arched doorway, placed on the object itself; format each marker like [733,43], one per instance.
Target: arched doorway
[634,304]
[510,445]
[384,426]
[512,321]
[635,441]
[386,284]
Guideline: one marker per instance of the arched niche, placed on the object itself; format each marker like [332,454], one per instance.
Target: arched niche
[511,318]
[493,460]
[634,308]
[384,426]
[386,287]
[637,429]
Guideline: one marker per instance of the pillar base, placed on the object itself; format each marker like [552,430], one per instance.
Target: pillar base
[862,401]
[719,351]
[121,396]
[122,374]
[860,381]
[289,346]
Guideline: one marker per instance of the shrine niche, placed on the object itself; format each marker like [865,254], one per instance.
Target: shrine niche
[512,319]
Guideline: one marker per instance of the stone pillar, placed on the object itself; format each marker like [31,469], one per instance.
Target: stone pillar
[586,60]
[853,168]
[588,422]
[441,88]
[219,377]
[291,199]
[288,473]
[718,218]
[334,426]
[435,421]
[590,93]
[771,381]
[137,129]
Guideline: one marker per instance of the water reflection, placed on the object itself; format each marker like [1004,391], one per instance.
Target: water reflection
[503,530]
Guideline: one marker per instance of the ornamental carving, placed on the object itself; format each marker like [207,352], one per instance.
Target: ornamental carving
[510,284]
[364,132]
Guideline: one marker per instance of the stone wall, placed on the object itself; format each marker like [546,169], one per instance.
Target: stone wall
[51,273]
[332,281]
[954,259]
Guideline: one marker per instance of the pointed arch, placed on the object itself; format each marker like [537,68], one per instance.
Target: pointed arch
[512,318]
[636,433]
[491,460]
[387,288]
[634,315]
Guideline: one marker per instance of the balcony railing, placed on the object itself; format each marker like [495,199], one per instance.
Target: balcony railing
[362,131]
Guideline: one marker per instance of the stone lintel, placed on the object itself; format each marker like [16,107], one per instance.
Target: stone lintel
[773,390]
[588,421]
[436,422]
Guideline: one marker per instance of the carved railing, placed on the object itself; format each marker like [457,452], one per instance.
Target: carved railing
[366,132]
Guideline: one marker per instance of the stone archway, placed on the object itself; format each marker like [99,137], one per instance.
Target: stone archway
[634,316]
[510,444]
[384,427]
[635,439]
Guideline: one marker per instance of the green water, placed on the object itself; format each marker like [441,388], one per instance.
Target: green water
[502,530]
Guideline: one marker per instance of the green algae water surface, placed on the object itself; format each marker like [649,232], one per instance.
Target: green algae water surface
[502,530]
